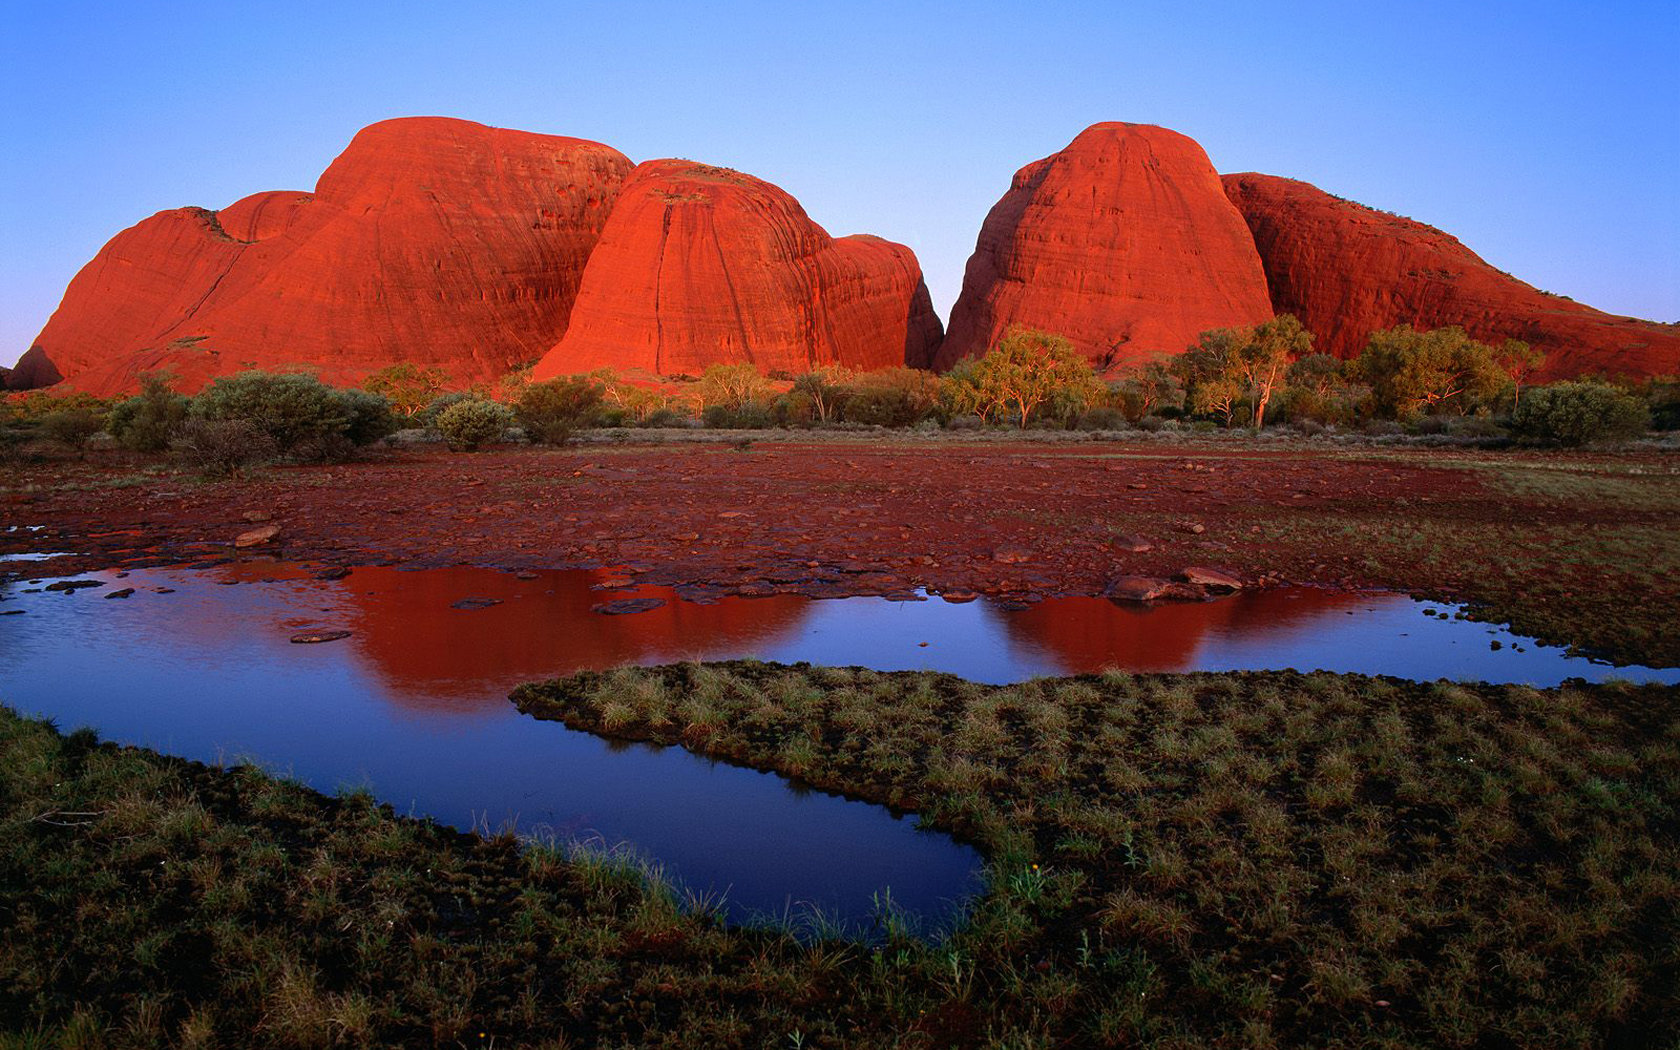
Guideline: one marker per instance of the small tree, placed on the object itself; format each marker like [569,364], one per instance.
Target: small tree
[407,386]
[1148,389]
[825,389]
[549,412]
[1579,414]
[149,421]
[1212,371]
[1519,360]
[731,386]
[1264,359]
[1028,367]
[1412,372]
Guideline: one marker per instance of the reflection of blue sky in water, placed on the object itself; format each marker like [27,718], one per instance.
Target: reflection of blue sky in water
[414,705]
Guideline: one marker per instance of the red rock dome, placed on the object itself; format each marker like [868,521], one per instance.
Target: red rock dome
[701,265]
[1123,242]
[1347,270]
[431,240]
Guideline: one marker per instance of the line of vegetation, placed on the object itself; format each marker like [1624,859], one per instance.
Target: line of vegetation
[1264,859]
[1434,383]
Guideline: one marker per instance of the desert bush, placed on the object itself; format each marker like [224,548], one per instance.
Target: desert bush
[290,409]
[551,411]
[666,418]
[750,415]
[428,416]
[222,447]
[1578,414]
[473,423]
[72,427]
[1102,417]
[371,418]
[965,422]
[149,421]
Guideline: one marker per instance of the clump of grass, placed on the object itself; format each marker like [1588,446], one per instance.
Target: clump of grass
[1272,857]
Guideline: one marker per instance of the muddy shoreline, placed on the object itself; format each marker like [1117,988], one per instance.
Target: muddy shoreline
[1020,521]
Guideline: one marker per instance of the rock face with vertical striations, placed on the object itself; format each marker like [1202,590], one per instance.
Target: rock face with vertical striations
[1124,242]
[431,240]
[701,265]
[1347,270]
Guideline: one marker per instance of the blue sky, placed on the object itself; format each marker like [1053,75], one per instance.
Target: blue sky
[1546,136]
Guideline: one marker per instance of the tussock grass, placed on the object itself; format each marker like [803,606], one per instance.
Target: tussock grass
[1250,859]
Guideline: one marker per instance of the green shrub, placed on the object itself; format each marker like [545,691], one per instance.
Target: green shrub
[290,409]
[304,417]
[1578,414]
[428,416]
[150,420]
[551,411]
[371,417]
[474,423]
[222,447]
[749,415]
[72,427]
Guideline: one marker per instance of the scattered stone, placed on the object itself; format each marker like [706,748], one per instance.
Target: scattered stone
[527,575]
[1136,588]
[163,590]
[316,637]
[256,516]
[958,595]
[333,572]
[1134,544]
[257,537]
[615,583]
[627,606]
[1011,555]
[1210,578]
[12,612]
[123,592]
[475,603]
[1195,528]
[67,586]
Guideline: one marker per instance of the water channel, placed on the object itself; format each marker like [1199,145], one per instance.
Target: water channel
[412,704]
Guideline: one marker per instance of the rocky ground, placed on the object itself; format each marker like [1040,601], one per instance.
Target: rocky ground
[1574,548]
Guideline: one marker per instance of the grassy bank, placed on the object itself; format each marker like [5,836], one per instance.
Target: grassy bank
[1203,860]
[1246,859]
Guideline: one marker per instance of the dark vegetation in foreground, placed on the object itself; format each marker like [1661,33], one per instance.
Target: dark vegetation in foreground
[1263,859]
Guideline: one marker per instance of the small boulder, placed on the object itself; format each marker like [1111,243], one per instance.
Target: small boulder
[123,592]
[256,517]
[1136,588]
[1132,544]
[475,603]
[68,586]
[1211,578]
[1011,555]
[316,637]
[256,537]
[333,572]
[627,606]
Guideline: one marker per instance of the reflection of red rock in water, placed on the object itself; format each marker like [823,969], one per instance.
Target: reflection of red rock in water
[1089,634]
[438,658]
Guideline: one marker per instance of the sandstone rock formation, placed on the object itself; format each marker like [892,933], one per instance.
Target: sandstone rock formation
[1123,242]
[701,265]
[1347,270]
[431,240]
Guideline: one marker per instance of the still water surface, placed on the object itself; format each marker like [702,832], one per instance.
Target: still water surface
[413,704]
